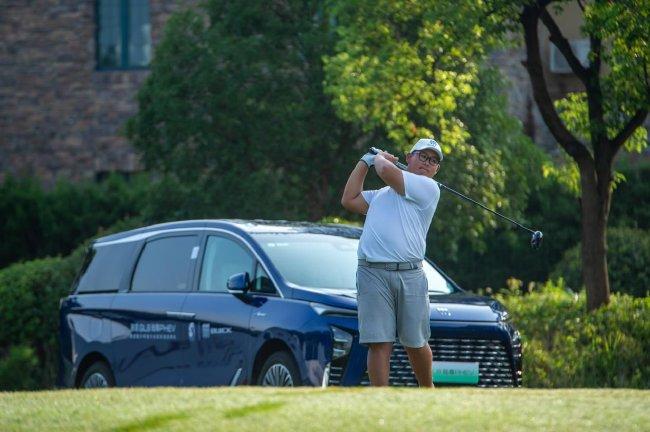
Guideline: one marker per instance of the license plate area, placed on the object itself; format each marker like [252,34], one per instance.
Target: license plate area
[445,372]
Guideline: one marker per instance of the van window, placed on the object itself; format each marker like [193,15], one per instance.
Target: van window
[165,264]
[223,258]
[104,267]
[262,282]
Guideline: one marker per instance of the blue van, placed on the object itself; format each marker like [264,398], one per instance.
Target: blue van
[271,303]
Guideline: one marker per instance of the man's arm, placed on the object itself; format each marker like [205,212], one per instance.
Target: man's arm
[388,172]
[352,199]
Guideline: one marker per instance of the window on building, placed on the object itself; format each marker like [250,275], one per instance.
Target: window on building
[123,34]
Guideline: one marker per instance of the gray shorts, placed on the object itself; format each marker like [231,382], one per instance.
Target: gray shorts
[391,304]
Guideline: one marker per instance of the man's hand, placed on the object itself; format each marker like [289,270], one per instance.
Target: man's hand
[388,172]
[389,157]
[368,159]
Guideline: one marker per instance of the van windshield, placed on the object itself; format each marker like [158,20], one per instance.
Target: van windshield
[326,261]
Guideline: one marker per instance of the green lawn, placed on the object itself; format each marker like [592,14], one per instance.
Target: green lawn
[307,409]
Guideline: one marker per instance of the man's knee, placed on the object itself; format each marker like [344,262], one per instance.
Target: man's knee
[381,347]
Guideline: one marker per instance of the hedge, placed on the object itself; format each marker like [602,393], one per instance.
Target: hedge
[565,346]
[628,257]
[29,307]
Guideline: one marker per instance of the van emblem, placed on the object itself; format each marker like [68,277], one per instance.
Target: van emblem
[443,311]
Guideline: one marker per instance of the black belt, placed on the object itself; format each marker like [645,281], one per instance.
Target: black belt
[392,266]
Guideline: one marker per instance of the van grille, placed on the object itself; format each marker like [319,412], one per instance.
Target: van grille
[336,373]
[494,365]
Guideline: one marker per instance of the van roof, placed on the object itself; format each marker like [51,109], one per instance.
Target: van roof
[256,226]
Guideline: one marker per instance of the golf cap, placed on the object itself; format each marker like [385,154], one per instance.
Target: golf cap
[427,143]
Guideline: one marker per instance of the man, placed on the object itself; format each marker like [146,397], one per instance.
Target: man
[393,296]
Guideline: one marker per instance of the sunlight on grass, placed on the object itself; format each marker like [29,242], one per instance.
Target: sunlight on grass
[307,409]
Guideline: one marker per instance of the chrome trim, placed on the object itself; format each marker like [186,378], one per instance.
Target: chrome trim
[326,376]
[181,315]
[141,236]
[235,378]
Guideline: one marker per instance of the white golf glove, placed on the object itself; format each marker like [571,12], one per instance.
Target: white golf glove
[368,159]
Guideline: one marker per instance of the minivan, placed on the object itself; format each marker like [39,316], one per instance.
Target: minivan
[271,303]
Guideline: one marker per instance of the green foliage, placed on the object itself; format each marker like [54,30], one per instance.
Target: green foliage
[29,303]
[628,258]
[413,69]
[574,112]
[234,117]
[17,369]
[37,223]
[565,346]
[630,208]
[549,208]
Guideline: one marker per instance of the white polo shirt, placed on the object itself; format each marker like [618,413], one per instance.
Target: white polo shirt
[396,226]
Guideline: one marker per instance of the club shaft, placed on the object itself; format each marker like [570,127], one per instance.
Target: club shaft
[404,167]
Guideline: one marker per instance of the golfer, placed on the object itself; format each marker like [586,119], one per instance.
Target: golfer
[392,288]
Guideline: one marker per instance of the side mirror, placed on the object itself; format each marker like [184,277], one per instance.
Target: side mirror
[239,283]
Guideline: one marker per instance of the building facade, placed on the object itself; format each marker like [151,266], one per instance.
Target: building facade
[69,74]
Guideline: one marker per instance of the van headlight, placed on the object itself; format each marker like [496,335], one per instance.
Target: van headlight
[342,343]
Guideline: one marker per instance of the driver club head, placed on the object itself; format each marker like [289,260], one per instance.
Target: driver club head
[536,239]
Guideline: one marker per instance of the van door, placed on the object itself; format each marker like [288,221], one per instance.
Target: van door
[150,332]
[219,355]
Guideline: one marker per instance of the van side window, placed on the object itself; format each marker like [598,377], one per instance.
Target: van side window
[262,282]
[165,264]
[104,267]
[223,258]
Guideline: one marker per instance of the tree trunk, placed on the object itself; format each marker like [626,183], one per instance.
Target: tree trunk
[595,211]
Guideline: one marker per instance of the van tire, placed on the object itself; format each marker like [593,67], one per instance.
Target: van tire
[98,375]
[279,370]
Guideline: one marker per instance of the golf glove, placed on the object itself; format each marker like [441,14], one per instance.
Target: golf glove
[368,159]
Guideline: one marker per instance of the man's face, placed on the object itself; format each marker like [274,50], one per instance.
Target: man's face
[423,162]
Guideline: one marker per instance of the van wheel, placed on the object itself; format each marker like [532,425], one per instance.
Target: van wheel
[279,370]
[97,376]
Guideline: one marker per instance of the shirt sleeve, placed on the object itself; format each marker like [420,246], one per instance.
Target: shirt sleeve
[369,195]
[421,190]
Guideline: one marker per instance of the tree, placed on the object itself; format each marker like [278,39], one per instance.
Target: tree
[413,69]
[407,65]
[234,116]
[616,98]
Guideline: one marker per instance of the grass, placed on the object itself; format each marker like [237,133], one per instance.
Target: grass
[308,409]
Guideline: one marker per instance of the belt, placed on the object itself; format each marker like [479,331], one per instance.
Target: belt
[392,266]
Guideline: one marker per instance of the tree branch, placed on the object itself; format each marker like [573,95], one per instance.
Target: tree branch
[597,126]
[627,131]
[562,44]
[577,150]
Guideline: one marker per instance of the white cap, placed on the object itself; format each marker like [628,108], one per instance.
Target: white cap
[427,143]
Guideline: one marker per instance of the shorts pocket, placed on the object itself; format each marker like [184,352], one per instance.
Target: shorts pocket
[414,283]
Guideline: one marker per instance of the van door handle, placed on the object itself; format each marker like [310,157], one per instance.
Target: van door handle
[181,315]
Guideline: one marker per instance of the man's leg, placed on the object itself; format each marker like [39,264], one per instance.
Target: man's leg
[379,362]
[421,362]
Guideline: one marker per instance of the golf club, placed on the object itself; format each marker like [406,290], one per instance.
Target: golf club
[537,236]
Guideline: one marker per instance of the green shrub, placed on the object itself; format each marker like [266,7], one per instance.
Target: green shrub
[29,307]
[35,223]
[628,257]
[29,303]
[19,369]
[564,346]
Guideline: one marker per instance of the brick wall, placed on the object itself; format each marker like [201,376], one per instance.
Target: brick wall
[59,116]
